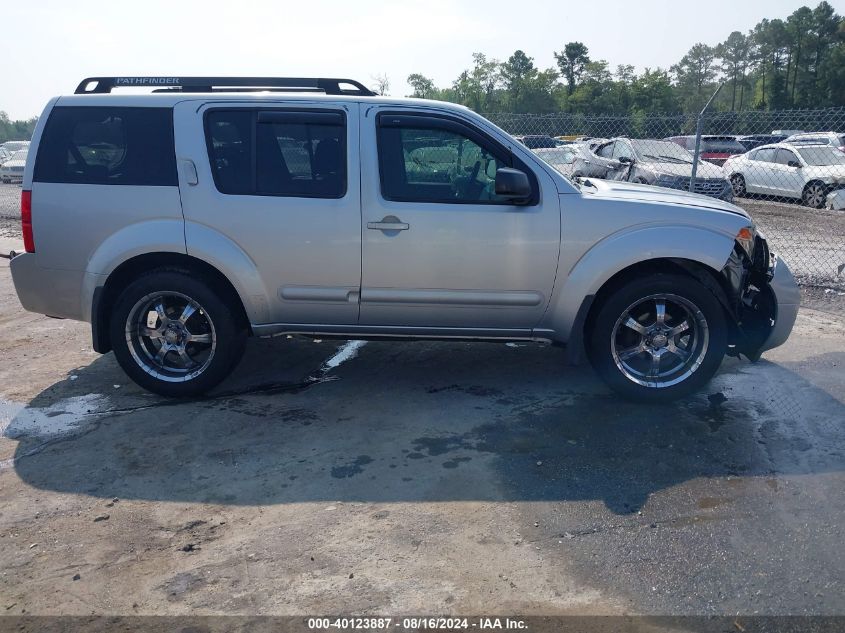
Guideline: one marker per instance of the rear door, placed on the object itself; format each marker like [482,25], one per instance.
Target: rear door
[440,248]
[280,182]
[789,180]
[760,176]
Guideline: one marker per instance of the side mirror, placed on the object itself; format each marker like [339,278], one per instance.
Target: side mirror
[626,160]
[794,163]
[512,183]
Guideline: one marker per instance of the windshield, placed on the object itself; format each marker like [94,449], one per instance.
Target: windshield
[661,150]
[537,141]
[556,156]
[722,146]
[822,156]
[20,155]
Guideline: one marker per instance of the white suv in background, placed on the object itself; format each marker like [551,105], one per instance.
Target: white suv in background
[805,172]
[818,138]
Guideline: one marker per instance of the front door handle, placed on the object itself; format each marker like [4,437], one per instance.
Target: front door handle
[389,223]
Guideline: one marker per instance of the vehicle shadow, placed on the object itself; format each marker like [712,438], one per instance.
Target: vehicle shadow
[418,422]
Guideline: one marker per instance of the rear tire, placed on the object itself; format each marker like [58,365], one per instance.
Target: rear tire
[655,354]
[173,335]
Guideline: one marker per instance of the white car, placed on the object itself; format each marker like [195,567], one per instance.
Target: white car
[4,155]
[804,172]
[577,161]
[12,169]
[15,146]
[818,138]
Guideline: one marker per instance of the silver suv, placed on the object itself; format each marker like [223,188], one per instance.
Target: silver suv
[179,223]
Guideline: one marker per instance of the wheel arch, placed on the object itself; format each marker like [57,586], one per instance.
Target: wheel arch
[694,251]
[104,296]
[592,303]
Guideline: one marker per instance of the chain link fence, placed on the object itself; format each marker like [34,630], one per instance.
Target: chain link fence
[786,168]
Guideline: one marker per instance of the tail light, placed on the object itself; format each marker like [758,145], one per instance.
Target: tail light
[26,221]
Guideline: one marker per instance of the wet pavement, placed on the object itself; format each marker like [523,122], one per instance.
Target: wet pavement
[417,477]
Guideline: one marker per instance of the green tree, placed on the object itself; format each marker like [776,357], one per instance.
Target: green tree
[424,87]
[735,52]
[572,61]
[517,72]
[695,70]
[653,92]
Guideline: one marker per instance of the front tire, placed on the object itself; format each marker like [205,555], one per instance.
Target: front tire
[658,338]
[738,185]
[175,336]
[814,195]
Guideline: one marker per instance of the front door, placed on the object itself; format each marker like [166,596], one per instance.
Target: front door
[440,248]
[280,183]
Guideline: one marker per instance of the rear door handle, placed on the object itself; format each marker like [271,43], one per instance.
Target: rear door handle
[389,223]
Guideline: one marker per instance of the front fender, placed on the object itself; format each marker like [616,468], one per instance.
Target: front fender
[619,251]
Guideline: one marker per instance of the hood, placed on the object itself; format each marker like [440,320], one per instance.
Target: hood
[634,192]
[705,169]
[15,163]
[827,171]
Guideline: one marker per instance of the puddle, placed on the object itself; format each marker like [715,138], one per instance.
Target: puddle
[63,417]
[346,352]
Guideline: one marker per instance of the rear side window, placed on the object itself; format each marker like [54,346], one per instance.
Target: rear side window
[784,157]
[720,146]
[766,155]
[108,146]
[278,152]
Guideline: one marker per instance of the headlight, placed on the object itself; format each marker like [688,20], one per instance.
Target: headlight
[745,238]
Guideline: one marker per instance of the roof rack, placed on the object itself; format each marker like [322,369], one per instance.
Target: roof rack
[104,85]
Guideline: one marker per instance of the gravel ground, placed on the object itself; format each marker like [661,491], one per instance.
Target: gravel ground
[445,478]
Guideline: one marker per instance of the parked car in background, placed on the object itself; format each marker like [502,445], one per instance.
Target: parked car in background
[750,141]
[536,141]
[561,158]
[14,146]
[665,164]
[836,200]
[787,132]
[805,172]
[715,149]
[577,161]
[4,155]
[833,139]
[12,169]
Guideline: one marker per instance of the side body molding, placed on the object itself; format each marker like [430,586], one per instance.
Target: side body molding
[620,250]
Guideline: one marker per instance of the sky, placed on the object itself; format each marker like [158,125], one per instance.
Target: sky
[52,45]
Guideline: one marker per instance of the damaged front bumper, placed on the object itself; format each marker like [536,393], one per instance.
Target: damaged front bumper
[763,298]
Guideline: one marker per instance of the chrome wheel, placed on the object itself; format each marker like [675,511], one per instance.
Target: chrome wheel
[170,336]
[814,195]
[660,340]
[738,185]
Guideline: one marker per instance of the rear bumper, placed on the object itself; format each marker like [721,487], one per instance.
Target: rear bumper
[45,290]
[787,299]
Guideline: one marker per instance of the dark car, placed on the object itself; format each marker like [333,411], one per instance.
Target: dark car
[537,141]
[752,141]
[715,149]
